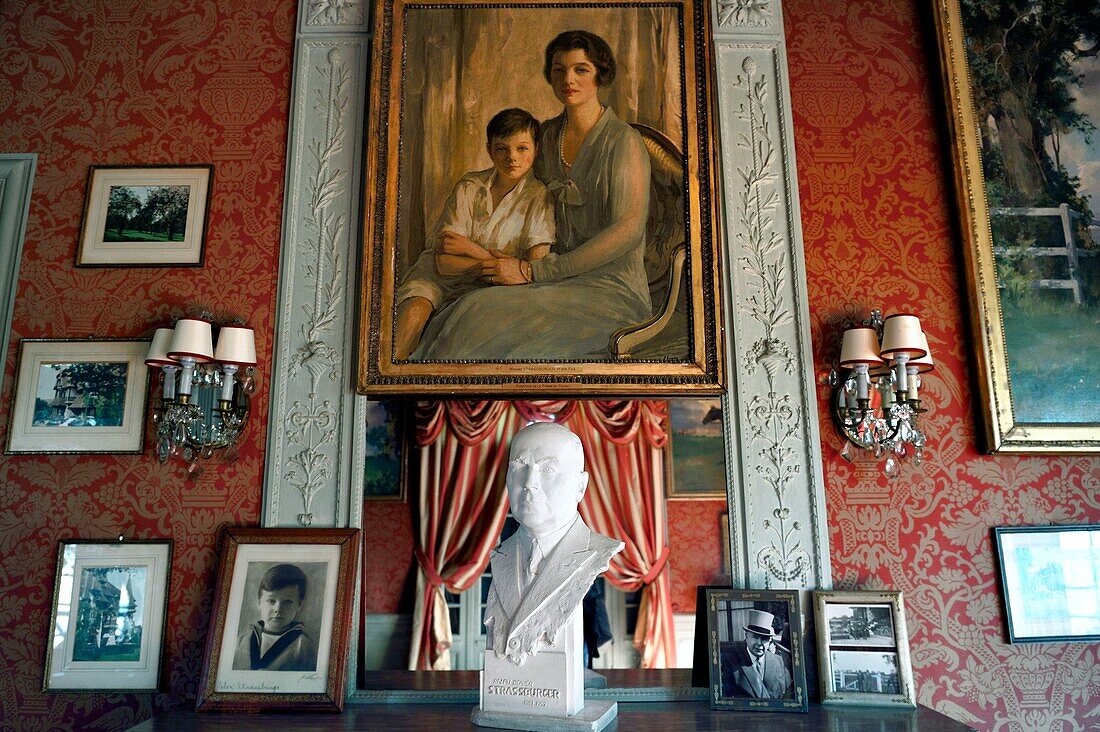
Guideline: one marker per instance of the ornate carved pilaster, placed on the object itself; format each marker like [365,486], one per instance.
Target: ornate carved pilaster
[311,457]
[775,484]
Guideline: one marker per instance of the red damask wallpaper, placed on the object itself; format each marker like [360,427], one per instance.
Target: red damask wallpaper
[94,82]
[877,215]
[85,83]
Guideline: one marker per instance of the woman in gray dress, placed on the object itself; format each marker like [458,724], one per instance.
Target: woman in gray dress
[567,304]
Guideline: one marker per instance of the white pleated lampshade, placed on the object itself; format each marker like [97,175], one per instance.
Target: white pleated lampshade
[158,349]
[192,337]
[236,345]
[902,334]
[924,363]
[859,345]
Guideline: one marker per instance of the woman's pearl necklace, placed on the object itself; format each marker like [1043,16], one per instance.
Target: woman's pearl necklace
[561,138]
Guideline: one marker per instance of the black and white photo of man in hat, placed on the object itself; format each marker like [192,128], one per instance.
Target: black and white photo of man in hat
[753,669]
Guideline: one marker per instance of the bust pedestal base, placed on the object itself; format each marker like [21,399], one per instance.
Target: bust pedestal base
[592,718]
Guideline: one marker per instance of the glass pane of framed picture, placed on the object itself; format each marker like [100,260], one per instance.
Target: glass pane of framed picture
[107,616]
[1050,576]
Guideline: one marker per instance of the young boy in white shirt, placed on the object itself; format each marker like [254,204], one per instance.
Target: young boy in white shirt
[503,209]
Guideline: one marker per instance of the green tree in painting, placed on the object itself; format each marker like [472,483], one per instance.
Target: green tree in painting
[102,387]
[122,204]
[166,209]
[1021,54]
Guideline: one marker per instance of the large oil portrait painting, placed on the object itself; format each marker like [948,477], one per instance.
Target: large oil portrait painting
[539,210]
[1022,80]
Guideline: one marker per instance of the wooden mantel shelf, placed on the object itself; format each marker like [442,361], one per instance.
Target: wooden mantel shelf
[685,716]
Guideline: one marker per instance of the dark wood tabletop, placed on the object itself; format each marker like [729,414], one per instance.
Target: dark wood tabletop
[686,716]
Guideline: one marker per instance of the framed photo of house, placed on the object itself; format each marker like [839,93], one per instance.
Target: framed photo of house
[697,469]
[79,396]
[1050,577]
[588,265]
[282,618]
[863,649]
[755,646]
[107,616]
[148,216]
[1021,110]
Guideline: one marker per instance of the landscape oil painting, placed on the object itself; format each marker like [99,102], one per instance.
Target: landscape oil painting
[1023,94]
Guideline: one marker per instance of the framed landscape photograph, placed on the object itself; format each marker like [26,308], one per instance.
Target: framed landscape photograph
[587,264]
[107,617]
[755,647]
[1050,577]
[385,466]
[149,216]
[698,464]
[79,396]
[1023,100]
[863,649]
[282,617]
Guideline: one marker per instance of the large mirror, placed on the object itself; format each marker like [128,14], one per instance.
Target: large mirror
[684,457]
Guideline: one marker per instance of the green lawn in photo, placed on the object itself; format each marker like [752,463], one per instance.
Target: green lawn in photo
[132,235]
[1053,362]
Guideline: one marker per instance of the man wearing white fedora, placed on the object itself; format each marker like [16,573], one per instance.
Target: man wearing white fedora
[754,670]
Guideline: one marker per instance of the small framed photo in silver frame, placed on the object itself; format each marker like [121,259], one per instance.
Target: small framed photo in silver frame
[754,639]
[147,216]
[107,622]
[1050,577]
[863,649]
[79,396]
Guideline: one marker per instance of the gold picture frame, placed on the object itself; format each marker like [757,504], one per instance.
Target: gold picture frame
[1010,425]
[440,70]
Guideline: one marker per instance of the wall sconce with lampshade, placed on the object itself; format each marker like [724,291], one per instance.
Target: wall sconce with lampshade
[876,385]
[205,391]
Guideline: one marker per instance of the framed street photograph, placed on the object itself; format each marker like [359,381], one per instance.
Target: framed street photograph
[282,616]
[79,396]
[755,645]
[588,264]
[1050,577]
[149,216]
[107,616]
[863,649]
[698,446]
[1021,93]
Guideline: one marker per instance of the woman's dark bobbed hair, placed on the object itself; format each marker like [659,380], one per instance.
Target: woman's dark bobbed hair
[596,48]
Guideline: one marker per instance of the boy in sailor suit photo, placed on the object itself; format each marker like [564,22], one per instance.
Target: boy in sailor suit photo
[278,641]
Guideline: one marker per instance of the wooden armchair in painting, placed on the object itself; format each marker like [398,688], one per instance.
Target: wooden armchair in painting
[663,336]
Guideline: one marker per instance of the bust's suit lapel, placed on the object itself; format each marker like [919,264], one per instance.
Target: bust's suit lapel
[567,558]
[504,561]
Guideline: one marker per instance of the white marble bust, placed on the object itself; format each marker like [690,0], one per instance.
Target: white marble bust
[542,572]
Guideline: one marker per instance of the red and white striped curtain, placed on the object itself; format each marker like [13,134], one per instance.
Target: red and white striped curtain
[462,448]
[462,504]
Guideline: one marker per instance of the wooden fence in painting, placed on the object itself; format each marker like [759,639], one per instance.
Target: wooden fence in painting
[1070,250]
